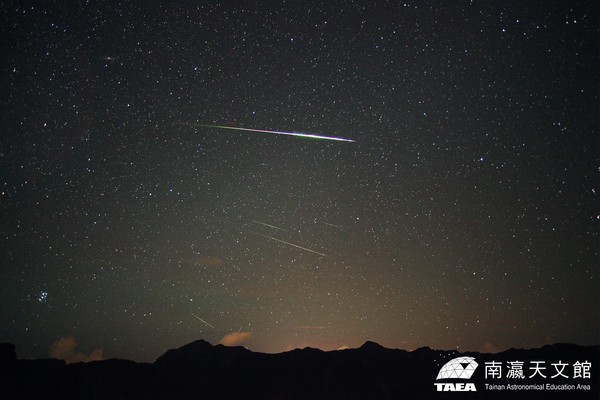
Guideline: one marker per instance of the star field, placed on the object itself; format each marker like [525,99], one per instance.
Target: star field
[464,214]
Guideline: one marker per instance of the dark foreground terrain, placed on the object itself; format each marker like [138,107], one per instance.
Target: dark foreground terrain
[202,371]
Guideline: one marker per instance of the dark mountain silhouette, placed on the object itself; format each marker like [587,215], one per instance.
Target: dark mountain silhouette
[200,370]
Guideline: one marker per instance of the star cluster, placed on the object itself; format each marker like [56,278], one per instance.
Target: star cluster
[464,214]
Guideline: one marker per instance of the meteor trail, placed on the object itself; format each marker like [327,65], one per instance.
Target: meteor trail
[291,244]
[310,327]
[335,226]
[197,317]
[303,135]
[270,226]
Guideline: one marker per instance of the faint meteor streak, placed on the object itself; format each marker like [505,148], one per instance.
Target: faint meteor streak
[298,134]
[311,327]
[270,226]
[292,244]
[335,226]
[197,317]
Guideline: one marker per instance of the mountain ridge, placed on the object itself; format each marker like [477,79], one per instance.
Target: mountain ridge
[370,371]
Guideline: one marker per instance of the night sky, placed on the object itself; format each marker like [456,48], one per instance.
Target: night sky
[464,214]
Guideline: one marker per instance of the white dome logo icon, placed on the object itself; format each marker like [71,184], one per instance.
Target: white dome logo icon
[458,368]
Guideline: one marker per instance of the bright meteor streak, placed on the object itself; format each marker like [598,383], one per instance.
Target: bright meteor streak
[303,135]
[270,226]
[203,321]
[292,244]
